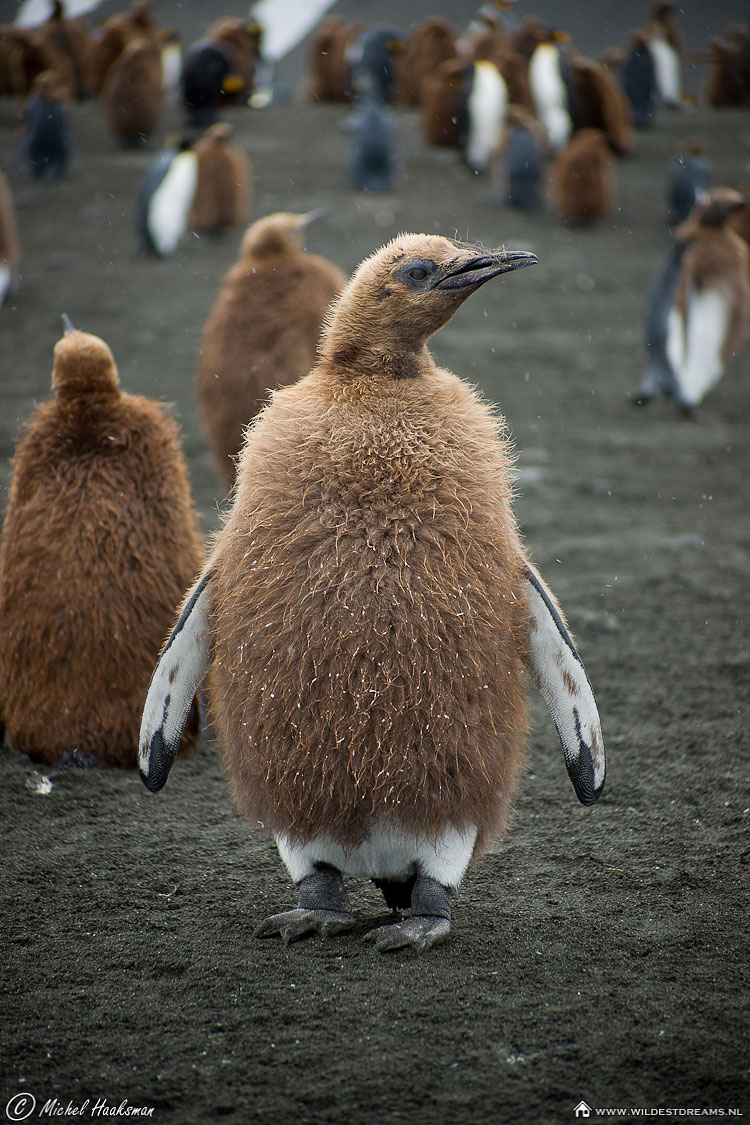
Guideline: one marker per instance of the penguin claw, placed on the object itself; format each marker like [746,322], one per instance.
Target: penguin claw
[292,925]
[420,932]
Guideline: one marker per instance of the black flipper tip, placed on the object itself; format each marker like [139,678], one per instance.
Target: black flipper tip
[160,761]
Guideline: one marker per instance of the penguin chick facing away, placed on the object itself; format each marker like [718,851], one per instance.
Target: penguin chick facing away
[368,611]
[580,179]
[263,329]
[99,538]
[224,183]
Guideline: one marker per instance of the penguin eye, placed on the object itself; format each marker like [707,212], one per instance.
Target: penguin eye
[416,271]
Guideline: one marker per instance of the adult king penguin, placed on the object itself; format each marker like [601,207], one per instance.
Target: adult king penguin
[699,302]
[367,613]
[165,198]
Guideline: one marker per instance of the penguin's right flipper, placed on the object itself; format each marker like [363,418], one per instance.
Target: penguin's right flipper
[181,668]
[558,672]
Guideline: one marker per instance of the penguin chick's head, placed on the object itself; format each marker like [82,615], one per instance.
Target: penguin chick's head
[280,233]
[83,365]
[410,288]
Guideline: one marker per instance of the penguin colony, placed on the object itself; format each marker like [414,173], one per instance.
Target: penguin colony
[340,509]
[262,331]
[100,537]
[367,613]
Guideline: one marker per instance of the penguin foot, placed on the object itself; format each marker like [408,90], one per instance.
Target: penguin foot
[419,932]
[641,398]
[298,923]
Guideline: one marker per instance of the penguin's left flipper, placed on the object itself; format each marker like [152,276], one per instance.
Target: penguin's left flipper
[178,675]
[558,672]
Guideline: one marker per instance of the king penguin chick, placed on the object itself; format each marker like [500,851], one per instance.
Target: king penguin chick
[580,180]
[100,537]
[132,99]
[165,198]
[263,330]
[368,611]
[47,142]
[224,186]
[708,320]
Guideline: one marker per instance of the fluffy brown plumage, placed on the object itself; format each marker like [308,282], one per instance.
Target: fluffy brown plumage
[368,622]
[328,77]
[602,104]
[440,108]
[100,539]
[262,331]
[430,42]
[224,189]
[580,180]
[131,98]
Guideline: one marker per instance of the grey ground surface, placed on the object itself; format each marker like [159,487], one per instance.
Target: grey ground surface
[596,954]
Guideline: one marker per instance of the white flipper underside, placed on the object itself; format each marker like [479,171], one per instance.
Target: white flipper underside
[178,675]
[558,672]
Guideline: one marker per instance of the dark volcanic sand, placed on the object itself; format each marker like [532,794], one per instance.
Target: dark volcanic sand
[596,954]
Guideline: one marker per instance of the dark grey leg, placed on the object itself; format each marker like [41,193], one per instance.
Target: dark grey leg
[322,908]
[428,924]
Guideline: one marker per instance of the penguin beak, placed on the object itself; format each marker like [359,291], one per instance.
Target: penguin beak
[474,271]
[313,216]
[68,325]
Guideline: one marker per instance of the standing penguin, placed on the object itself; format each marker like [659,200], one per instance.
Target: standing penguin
[47,143]
[518,165]
[638,80]
[552,88]
[132,97]
[368,610]
[165,198]
[688,180]
[263,329]
[580,180]
[99,538]
[209,70]
[224,186]
[664,43]
[372,59]
[10,253]
[709,317]
[372,156]
[486,106]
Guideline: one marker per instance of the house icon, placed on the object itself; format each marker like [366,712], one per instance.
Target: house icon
[582,1110]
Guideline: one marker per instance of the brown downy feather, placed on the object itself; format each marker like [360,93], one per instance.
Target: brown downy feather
[580,180]
[430,43]
[262,331]
[131,99]
[602,104]
[224,189]
[441,98]
[368,619]
[99,541]
[328,77]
